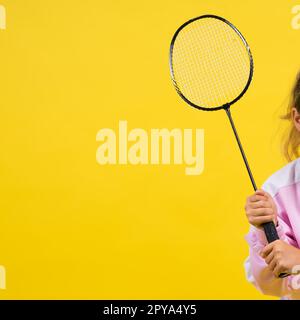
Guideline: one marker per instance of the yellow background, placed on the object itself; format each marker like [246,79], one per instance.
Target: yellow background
[71,228]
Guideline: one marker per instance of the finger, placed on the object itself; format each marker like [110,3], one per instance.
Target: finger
[272,265]
[260,212]
[269,258]
[257,197]
[260,220]
[267,249]
[260,204]
[260,192]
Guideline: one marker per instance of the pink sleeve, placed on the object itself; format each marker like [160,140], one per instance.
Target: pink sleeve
[260,275]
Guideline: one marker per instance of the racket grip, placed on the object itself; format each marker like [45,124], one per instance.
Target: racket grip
[270,231]
[272,235]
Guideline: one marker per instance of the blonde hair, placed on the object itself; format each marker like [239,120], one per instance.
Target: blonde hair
[291,140]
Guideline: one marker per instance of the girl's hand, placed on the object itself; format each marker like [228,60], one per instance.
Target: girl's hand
[281,257]
[260,208]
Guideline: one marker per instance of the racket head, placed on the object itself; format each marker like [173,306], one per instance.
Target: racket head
[191,45]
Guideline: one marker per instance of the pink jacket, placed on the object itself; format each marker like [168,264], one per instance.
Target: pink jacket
[284,187]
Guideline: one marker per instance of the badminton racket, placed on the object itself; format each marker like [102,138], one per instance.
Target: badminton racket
[211,68]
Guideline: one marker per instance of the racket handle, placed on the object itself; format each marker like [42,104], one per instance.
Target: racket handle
[270,231]
[272,235]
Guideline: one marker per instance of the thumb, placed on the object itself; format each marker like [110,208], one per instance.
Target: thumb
[270,198]
[260,192]
[266,194]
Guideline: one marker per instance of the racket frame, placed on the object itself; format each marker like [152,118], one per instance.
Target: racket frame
[229,103]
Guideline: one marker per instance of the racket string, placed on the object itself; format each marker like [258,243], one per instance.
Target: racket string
[210,62]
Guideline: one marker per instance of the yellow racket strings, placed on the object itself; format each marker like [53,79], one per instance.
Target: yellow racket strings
[211,64]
